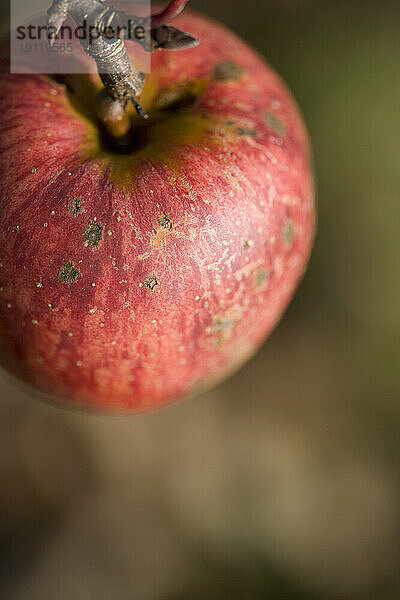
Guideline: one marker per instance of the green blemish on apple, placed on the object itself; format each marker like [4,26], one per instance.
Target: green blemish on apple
[223,324]
[165,222]
[288,232]
[275,123]
[151,283]
[68,273]
[75,206]
[245,131]
[93,234]
[260,277]
[246,245]
[227,71]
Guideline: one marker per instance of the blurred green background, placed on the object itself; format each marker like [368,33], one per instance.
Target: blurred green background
[282,483]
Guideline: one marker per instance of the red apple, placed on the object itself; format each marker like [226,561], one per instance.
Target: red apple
[130,280]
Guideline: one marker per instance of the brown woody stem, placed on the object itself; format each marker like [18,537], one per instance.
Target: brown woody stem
[123,83]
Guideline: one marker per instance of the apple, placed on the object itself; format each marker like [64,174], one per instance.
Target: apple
[129,279]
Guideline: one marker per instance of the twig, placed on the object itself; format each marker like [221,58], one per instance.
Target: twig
[105,44]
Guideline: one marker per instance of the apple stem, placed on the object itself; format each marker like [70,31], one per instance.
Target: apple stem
[107,29]
[115,119]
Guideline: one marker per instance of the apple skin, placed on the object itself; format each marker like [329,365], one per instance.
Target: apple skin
[129,281]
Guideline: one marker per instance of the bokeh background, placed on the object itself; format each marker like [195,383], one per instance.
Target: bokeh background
[282,483]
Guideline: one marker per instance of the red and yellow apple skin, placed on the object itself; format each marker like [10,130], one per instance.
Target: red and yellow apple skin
[129,281]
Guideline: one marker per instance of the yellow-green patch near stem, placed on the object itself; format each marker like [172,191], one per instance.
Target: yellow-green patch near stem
[160,140]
